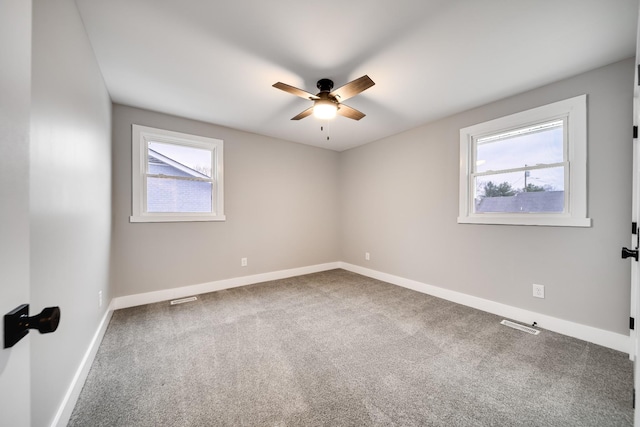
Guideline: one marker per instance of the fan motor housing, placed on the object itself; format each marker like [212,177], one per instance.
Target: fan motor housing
[325,85]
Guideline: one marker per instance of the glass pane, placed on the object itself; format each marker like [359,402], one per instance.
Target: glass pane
[174,195]
[178,160]
[536,191]
[531,146]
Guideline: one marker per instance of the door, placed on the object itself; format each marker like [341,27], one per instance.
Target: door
[635,210]
[15,81]
[635,215]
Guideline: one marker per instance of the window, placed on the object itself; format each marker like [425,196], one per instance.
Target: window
[175,176]
[528,168]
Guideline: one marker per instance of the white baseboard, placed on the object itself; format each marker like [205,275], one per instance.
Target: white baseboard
[583,332]
[598,336]
[218,285]
[71,397]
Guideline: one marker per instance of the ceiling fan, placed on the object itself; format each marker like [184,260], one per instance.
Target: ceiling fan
[328,103]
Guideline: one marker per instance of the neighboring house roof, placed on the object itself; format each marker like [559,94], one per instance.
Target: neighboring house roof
[176,187]
[178,168]
[538,201]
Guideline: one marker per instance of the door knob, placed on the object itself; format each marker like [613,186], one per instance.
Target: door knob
[17,323]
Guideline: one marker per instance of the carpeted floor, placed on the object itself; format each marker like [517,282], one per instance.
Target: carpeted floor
[339,349]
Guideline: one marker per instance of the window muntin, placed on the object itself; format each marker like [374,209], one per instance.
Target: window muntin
[544,146]
[175,176]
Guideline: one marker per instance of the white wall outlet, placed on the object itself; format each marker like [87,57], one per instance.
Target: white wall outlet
[99,299]
[538,291]
[243,262]
[367,256]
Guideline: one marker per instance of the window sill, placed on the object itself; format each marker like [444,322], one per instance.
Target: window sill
[176,218]
[526,219]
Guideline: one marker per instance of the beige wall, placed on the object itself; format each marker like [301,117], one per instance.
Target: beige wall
[281,205]
[70,198]
[399,201]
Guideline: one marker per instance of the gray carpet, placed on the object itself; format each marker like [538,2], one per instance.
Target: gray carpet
[339,349]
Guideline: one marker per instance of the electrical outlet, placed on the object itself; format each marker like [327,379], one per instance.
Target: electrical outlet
[367,256]
[243,262]
[538,291]
[99,299]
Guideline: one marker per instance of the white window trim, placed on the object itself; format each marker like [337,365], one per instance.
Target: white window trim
[575,215]
[140,135]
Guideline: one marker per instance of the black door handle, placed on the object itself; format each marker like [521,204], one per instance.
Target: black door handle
[633,253]
[17,323]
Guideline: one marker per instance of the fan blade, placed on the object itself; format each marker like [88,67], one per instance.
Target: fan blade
[352,88]
[351,113]
[304,114]
[295,91]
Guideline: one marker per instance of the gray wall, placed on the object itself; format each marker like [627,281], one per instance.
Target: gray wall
[281,205]
[70,200]
[290,206]
[399,201]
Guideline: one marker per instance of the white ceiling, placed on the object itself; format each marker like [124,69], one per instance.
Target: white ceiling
[215,60]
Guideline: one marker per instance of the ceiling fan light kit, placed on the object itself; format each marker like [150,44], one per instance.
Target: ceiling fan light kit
[327,103]
[325,109]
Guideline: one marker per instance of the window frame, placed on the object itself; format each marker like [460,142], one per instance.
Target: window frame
[574,113]
[140,136]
